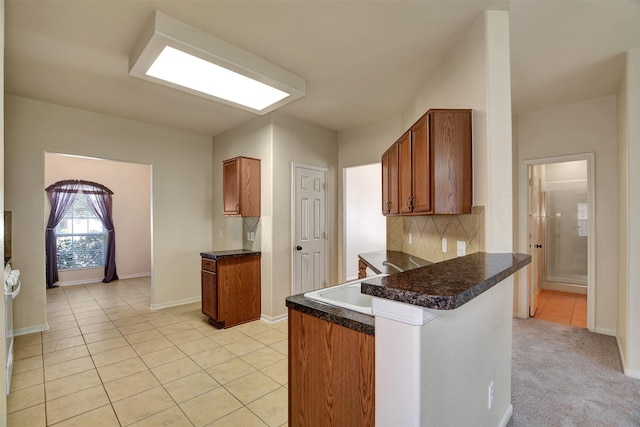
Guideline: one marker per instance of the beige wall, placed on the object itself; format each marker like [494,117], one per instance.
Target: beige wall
[181,192]
[589,126]
[623,220]
[131,185]
[277,140]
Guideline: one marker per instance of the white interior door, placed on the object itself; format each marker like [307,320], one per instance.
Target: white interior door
[535,238]
[310,233]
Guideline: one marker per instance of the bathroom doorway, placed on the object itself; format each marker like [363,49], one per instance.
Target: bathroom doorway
[560,230]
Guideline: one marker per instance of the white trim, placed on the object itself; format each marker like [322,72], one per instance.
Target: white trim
[591,246]
[99,279]
[30,330]
[276,319]
[605,331]
[632,373]
[325,170]
[175,303]
[565,287]
[507,416]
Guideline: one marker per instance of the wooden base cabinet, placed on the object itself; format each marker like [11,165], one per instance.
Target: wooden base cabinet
[331,374]
[231,289]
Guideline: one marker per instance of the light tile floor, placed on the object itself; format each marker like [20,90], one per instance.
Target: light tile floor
[109,360]
[562,307]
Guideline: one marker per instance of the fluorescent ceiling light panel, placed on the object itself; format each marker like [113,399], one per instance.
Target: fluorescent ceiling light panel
[177,55]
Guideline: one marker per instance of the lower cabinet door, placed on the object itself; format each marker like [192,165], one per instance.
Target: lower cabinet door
[210,295]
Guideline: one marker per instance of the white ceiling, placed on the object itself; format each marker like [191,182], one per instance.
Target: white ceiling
[362,60]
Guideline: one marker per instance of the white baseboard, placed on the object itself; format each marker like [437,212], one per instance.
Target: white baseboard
[519,315]
[175,303]
[605,331]
[79,282]
[134,276]
[507,416]
[632,373]
[99,279]
[275,319]
[30,330]
[565,287]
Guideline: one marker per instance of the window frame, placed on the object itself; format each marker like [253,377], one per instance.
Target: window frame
[70,216]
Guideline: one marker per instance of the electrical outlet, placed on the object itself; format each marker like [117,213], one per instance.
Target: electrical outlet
[490,395]
[444,245]
[410,238]
[462,248]
[221,234]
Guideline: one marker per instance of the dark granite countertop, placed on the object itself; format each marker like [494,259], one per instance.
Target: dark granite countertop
[341,316]
[445,285]
[449,284]
[384,261]
[231,253]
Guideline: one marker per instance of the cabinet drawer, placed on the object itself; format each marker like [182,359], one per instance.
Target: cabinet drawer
[209,264]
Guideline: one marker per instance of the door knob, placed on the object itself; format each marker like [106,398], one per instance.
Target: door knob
[538,246]
[298,248]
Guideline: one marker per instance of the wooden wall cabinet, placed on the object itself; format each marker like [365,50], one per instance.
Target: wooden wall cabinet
[390,181]
[231,289]
[435,165]
[241,186]
[331,374]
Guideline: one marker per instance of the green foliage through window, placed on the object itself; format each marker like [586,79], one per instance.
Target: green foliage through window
[80,237]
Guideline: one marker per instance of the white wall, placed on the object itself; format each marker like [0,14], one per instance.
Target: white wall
[181,180]
[131,185]
[629,177]
[589,126]
[365,226]
[277,140]
[3,374]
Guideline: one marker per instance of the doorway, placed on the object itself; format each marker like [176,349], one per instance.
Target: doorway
[560,237]
[131,184]
[309,234]
[365,228]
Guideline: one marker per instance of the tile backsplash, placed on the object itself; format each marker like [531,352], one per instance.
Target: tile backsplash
[428,231]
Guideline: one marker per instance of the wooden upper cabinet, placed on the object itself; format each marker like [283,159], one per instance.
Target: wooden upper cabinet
[434,166]
[241,186]
[390,181]
[451,151]
[420,167]
[404,173]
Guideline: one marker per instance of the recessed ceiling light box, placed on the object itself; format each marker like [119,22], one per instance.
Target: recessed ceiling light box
[177,55]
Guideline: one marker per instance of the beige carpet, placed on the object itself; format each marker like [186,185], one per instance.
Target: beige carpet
[567,376]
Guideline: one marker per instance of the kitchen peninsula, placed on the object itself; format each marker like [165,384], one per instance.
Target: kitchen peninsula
[442,348]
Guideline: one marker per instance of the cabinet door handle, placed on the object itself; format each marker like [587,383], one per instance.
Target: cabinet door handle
[237,207]
[410,203]
[388,207]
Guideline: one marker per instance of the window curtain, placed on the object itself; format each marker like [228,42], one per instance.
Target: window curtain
[61,196]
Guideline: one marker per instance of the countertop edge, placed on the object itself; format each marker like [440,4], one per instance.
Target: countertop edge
[359,322]
[229,253]
[393,288]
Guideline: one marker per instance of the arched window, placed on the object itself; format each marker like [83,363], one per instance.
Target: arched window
[66,205]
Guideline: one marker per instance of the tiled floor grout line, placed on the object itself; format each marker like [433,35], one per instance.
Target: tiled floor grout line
[79,303]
